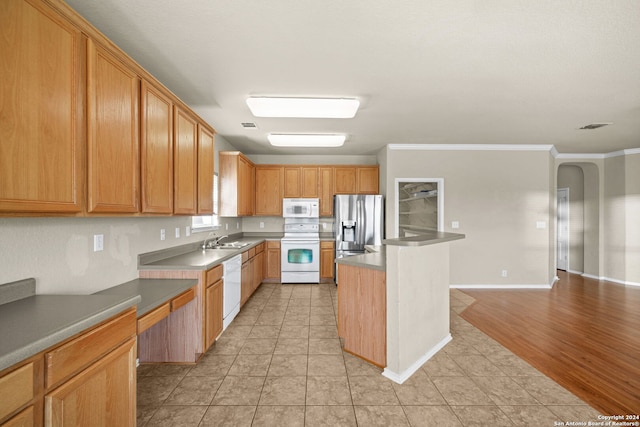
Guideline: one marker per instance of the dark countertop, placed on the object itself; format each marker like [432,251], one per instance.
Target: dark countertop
[191,257]
[153,292]
[35,323]
[426,238]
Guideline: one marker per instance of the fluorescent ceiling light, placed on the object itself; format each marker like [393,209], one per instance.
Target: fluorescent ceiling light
[306,140]
[321,108]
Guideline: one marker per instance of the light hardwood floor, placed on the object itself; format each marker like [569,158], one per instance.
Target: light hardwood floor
[583,333]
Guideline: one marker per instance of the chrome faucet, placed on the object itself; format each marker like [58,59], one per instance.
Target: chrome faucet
[216,241]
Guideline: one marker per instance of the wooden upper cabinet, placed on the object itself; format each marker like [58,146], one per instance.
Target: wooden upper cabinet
[246,206]
[269,190]
[344,180]
[41,105]
[292,177]
[300,181]
[205,170]
[185,163]
[326,191]
[367,180]
[309,181]
[156,150]
[237,184]
[113,167]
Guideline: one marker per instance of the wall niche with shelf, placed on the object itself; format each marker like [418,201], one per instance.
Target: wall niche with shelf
[418,206]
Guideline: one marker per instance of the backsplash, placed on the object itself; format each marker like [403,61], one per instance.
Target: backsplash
[273,224]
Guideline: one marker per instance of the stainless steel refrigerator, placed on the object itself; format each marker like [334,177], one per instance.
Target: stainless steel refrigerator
[358,221]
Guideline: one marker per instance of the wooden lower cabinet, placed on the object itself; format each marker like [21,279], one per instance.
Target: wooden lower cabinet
[327,257]
[362,312]
[213,312]
[272,261]
[246,281]
[88,380]
[101,395]
[25,418]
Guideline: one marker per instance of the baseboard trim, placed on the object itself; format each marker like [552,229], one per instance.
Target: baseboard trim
[575,272]
[610,279]
[505,286]
[406,374]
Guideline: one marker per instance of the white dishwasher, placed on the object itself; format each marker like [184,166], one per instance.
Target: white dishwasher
[232,270]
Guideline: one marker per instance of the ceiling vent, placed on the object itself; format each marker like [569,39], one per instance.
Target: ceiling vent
[596,125]
[249,125]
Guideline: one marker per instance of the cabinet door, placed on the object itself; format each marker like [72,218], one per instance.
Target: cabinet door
[245,187]
[26,418]
[327,256]
[269,183]
[309,181]
[205,170]
[344,180]
[213,312]
[101,395]
[156,151]
[326,191]
[292,178]
[41,105]
[113,168]
[258,270]
[245,282]
[185,163]
[272,267]
[367,180]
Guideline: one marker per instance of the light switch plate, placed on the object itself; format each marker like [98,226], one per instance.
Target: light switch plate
[541,225]
[177,232]
[261,224]
[98,242]
[455,224]
[163,234]
[187,231]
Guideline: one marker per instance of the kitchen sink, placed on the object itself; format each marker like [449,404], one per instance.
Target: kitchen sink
[230,245]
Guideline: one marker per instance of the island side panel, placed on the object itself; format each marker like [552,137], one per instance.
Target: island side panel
[362,312]
[179,337]
[418,304]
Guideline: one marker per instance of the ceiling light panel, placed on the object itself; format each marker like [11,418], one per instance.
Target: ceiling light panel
[306,140]
[320,108]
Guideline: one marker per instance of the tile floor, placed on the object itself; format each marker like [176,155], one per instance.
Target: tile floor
[280,364]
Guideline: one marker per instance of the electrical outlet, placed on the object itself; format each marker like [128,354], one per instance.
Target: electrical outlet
[238,225]
[226,226]
[324,225]
[261,224]
[540,225]
[163,234]
[177,232]
[455,224]
[505,273]
[98,242]
[187,231]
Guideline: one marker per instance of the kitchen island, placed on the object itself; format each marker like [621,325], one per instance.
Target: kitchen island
[393,305]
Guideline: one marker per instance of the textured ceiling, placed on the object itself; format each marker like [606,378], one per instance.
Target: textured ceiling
[438,71]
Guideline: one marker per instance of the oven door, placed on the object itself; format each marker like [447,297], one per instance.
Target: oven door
[300,255]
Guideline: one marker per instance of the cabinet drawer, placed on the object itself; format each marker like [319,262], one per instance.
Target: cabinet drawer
[25,418]
[260,248]
[214,275]
[88,347]
[252,252]
[16,389]
[183,299]
[273,244]
[153,317]
[245,256]
[324,244]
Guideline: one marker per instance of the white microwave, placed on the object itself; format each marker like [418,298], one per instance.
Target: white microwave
[301,208]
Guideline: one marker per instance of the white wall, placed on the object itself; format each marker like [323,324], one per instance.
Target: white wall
[498,197]
[58,252]
[632,243]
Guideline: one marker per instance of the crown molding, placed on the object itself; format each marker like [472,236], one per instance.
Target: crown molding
[471,147]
